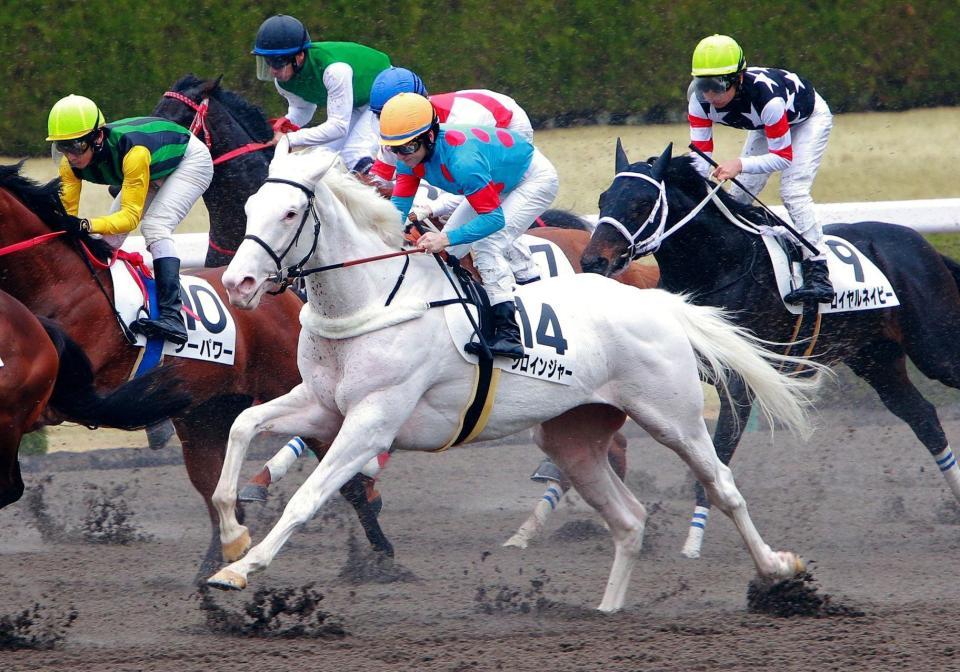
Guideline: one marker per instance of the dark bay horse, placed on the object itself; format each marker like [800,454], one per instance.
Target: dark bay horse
[227,123]
[43,372]
[54,281]
[719,264]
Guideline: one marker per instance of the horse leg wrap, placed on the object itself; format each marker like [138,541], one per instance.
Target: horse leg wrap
[947,463]
[698,525]
[534,524]
[285,457]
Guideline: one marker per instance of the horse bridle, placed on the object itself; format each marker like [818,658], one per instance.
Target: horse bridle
[199,123]
[283,275]
[637,248]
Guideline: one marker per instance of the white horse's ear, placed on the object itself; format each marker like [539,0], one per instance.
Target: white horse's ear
[322,163]
[280,152]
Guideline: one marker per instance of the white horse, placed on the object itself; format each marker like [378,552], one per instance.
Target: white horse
[376,376]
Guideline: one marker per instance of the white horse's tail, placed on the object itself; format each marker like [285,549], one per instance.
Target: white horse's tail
[723,347]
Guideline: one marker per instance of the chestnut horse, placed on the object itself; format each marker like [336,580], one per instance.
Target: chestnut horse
[55,280]
[40,366]
[28,370]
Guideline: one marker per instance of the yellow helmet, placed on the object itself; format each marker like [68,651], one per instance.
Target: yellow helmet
[404,117]
[717,55]
[73,117]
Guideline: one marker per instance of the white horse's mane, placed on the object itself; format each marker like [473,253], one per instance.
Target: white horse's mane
[368,209]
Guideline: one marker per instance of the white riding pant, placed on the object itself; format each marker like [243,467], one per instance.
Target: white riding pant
[497,255]
[169,199]
[809,139]
[362,138]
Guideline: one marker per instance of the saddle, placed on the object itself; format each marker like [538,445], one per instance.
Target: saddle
[471,289]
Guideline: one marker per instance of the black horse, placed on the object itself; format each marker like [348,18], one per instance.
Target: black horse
[719,264]
[237,123]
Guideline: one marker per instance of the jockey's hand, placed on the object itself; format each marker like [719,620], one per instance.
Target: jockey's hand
[76,226]
[433,242]
[727,170]
[275,139]
[418,213]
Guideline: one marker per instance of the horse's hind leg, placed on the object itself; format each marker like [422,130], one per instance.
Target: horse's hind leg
[731,424]
[682,429]
[578,441]
[557,488]
[884,368]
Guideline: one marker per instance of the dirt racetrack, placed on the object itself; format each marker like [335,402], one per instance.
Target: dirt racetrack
[862,500]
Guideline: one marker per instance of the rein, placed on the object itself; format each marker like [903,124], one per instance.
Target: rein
[31,242]
[199,128]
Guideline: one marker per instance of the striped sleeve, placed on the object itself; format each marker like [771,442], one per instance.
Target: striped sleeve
[777,130]
[701,134]
[133,195]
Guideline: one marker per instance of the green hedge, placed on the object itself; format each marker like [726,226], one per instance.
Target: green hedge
[575,58]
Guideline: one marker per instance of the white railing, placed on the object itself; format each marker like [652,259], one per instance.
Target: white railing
[940,215]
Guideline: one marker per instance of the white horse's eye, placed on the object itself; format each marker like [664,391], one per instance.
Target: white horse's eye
[290,214]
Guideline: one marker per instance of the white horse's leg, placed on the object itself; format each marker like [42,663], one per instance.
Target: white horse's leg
[365,433]
[578,441]
[294,412]
[533,525]
[694,446]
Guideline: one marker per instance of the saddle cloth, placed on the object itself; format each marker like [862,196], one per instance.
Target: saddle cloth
[211,331]
[857,282]
[547,354]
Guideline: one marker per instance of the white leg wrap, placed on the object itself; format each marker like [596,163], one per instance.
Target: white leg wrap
[951,472]
[534,524]
[698,525]
[279,463]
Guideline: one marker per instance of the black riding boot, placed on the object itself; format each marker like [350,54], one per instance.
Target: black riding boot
[169,325]
[506,335]
[816,284]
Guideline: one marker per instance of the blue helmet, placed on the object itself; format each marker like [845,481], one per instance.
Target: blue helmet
[392,81]
[281,35]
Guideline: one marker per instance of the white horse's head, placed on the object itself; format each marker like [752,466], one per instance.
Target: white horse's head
[281,220]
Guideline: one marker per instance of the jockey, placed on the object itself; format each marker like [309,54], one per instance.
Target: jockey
[789,125]
[335,75]
[472,107]
[161,169]
[483,163]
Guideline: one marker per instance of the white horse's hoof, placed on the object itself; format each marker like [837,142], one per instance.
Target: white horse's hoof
[234,550]
[790,565]
[516,541]
[227,579]
[692,553]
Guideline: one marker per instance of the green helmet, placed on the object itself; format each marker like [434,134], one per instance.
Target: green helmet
[73,117]
[717,55]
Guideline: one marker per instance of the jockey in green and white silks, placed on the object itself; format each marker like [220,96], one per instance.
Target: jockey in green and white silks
[161,169]
[335,75]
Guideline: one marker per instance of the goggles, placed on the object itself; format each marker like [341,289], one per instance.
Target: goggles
[716,84]
[278,62]
[73,147]
[406,150]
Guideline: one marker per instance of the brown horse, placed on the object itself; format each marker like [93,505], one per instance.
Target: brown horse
[40,366]
[28,370]
[54,280]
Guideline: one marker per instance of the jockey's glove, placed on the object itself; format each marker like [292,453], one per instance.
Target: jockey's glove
[76,226]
